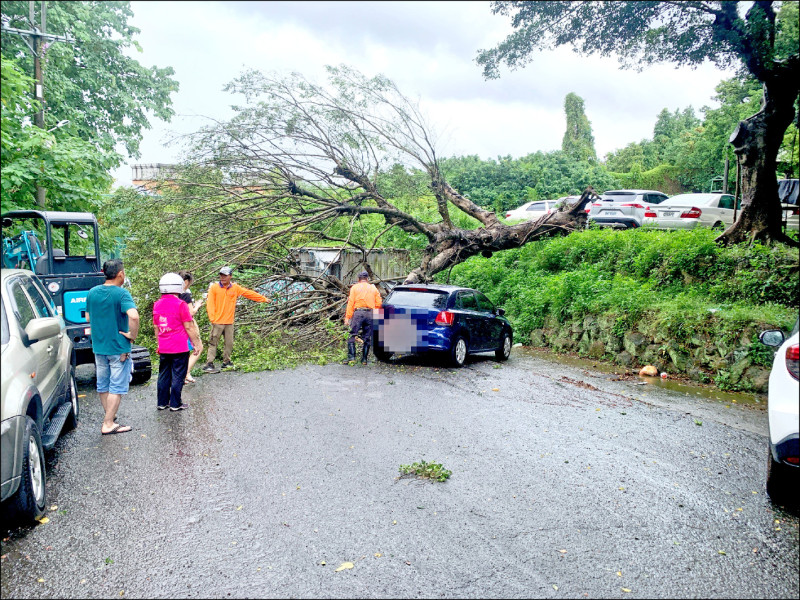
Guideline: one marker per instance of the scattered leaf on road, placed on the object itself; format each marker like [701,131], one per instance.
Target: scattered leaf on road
[721,552]
[619,573]
[40,580]
[563,551]
[555,587]
[378,555]
[495,389]
[344,565]
[625,589]
[43,520]
[54,507]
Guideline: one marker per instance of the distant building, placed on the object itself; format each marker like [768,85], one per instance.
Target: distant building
[386,263]
[147,176]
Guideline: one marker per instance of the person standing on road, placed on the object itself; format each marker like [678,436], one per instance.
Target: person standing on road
[186,296]
[221,307]
[177,339]
[114,320]
[363,299]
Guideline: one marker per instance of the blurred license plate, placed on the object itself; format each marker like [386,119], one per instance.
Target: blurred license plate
[670,213]
[611,213]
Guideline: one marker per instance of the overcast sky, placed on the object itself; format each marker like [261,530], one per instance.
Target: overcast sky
[427,48]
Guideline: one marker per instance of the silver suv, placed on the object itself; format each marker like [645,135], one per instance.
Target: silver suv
[623,209]
[39,395]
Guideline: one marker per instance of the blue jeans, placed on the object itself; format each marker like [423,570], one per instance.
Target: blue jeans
[113,375]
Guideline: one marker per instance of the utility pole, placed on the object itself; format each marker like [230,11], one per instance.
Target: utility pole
[36,36]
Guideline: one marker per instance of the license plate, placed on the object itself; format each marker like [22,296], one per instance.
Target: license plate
[671,213]
[611,213]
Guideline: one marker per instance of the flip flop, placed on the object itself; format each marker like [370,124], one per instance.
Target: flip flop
[189,379]
[117,428]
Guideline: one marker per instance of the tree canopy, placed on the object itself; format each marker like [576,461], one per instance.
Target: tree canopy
[106,96]
[578,140]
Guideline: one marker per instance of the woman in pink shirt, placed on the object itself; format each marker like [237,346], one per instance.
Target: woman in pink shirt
[177,339]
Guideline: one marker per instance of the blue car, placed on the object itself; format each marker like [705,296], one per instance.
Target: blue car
[448,320]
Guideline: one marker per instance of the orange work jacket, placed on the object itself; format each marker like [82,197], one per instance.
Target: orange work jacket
[362,295]
[221,303]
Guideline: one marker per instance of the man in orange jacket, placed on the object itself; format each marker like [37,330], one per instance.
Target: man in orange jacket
[221,307]
[364,298]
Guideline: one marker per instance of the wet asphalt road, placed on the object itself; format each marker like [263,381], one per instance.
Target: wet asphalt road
[565,483]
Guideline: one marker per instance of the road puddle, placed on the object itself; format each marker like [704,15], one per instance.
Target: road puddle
[612,372]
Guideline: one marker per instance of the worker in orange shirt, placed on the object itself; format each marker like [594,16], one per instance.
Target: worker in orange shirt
[364,298]
[221,307]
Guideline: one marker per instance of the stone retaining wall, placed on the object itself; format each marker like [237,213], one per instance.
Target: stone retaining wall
[701,358]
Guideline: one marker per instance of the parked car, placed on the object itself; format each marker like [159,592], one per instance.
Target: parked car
[39,396]
[788,191]
[783,463]
[687,211]
[623,209]
[530,211]
[447,320]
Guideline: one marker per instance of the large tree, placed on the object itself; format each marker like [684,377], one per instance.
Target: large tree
[304,163]
[578,141]
[640,33]
[107,96]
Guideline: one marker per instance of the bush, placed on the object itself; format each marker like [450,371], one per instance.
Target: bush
[681,283]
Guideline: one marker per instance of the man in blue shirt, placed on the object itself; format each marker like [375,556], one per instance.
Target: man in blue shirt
[115,324]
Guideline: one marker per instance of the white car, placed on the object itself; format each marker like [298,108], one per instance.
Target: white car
[784,420]
[687,211]
[530,211]
[623,209]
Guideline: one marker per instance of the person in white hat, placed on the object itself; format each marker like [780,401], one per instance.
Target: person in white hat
[177,339]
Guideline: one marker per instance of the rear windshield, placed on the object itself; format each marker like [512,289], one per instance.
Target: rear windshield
[426,299]
[537,206]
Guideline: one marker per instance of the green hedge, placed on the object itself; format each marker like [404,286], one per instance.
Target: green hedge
[679,280]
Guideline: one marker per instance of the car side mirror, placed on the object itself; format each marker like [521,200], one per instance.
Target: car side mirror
[771,337]
[500,311]
[42,328]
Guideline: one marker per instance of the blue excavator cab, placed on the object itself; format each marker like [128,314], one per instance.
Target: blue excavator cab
[63,250]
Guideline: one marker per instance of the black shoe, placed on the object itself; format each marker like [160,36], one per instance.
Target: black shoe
[183,406]
[166,406]
[227,365]
[210,368]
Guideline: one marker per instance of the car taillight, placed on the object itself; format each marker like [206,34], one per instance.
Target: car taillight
[444,318]
[692,213]
[633,204]
[650,213]
[508,214]
[793,360]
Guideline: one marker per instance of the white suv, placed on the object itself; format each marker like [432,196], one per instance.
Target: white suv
[39,395]
[623,209]
[783,465]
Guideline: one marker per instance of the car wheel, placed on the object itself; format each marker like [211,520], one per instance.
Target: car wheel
[718,226]
[72,398]
[776,479]
[504,351]
[458,352]
[29,501]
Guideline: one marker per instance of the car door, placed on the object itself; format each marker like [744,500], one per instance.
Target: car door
[491,325]
[725,208]
[466,309]
[43,353]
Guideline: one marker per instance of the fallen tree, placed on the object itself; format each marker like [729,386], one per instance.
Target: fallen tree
[299,158]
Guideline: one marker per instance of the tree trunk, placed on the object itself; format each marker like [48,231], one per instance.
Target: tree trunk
[756,142]
[457,245]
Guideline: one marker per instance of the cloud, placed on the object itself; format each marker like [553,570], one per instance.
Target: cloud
[427,48]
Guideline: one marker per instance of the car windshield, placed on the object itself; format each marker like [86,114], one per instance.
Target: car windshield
[418,299]
[690,200]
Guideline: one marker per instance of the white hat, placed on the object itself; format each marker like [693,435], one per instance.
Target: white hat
[171,283]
